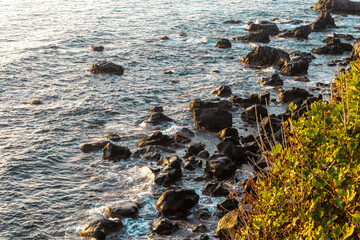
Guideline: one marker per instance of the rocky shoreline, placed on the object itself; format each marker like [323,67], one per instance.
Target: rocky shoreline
[234,152]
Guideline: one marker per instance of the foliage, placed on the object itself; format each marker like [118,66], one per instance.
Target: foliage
[313,190]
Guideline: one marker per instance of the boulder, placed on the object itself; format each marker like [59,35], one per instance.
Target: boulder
[94,146]
[261,36]
[177,202]
[356,51]
[195,148]
[222,91]
[203,154]
[333,47]
[228,225]
[215,190]
[227,204]
[191,163]
[157,109]
[212,119]
[164,226]
[158,118]
[108,68]
[183,136]
[112,151]
[324,21]
[229,134]
[338,6]
[273,80]
[157,138]
[254,113]
[262,98]
[170,173]
[264,26]
[150,152]
[220,167]
[292,94]
[199,104]
[300,33]
[223,43]
[122,209]
[295,68]
[264,56]
[99,228]
[234,152]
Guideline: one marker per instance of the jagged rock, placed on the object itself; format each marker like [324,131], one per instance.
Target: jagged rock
[295,68]
[274,80]
[106,67]
[222,91]
[300,33]
[98,229]
[212,119]
[122,209]
[170,173]
[292,94]
[199,104]
[112,151]
[215,190]
[262,98]
[184,135]
[227,204]
[94,146]
[261,36]
[164,226]
[324,21]
[264,56]
[338,6]
[223,43]
[157,138]
[264,26]
[334,46]
[254,113]
[177,202]
[98,48]
[220,167]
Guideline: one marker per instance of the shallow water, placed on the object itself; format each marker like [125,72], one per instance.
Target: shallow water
[49,189]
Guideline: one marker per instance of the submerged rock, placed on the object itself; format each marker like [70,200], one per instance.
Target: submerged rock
[264,56]
[98,229]
[223,43]
[112,151]
[106,67]
[122,209]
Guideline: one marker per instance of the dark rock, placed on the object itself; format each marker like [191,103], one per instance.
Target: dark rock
[227,204]
[113,137]
[164,38]
[98,229]
[195,148]
[254,113]
[168,72]
[184,135]
[98,48]
[157,138]
[199,104]
[215,189]
[177,202]
[212,119]
[203,237]
[234,152]
[264,26]
[262,98]
[334,47]
[356,51]
[106,67]
[338,6]
[229,134]
[202,213]
[264,56]
[232,22]
[274,80]
[303,55]
[344,36]
[191,163]
[201,228]
[35,102]
[164,226]
[220,167]
[292,94]
[203,154]
[170,173]
[157,109]
[122,209]
[324,21]
[150,152]
[112,151]
[158,119]
[301,79]
[223,43]
[261,36]
[300,33]
[222,91]
[295,68]
[94,146]
[269,123]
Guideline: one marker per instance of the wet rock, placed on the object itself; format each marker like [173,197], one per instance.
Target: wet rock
[220,167]
[98,229]
[191,163]
[234,152]
[215,190]
[195,148]
[232,22]
[112,151]
[108,68]
[150,152]
[292,94]
[227,204]
[203,237]
[333,47]
[98,48]
[223,43]
[164,226]
[303,55]
[262,98]
[228,225]
[177,202]
[113,137]
[254,113]
[229,135]
[261,36]
[203,154]
[269,123]
[199,104]
[264,56]
[356,51]
[324,21]
[201,228]
[183,136]
[264,26]
[212,119]
[122,209]
[35,102]
[157,138]
[301,79]
[222,91]
[157,109]
[344,36]
[295,68]
[338,6]
[168,72]
[158,118]
[164,38]
[202,213]
[94,146]
[171,173]
[274,80]
[300,33]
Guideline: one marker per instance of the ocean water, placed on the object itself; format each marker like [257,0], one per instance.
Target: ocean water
[49,189]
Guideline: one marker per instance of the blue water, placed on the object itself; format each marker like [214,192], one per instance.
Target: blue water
[49,189]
